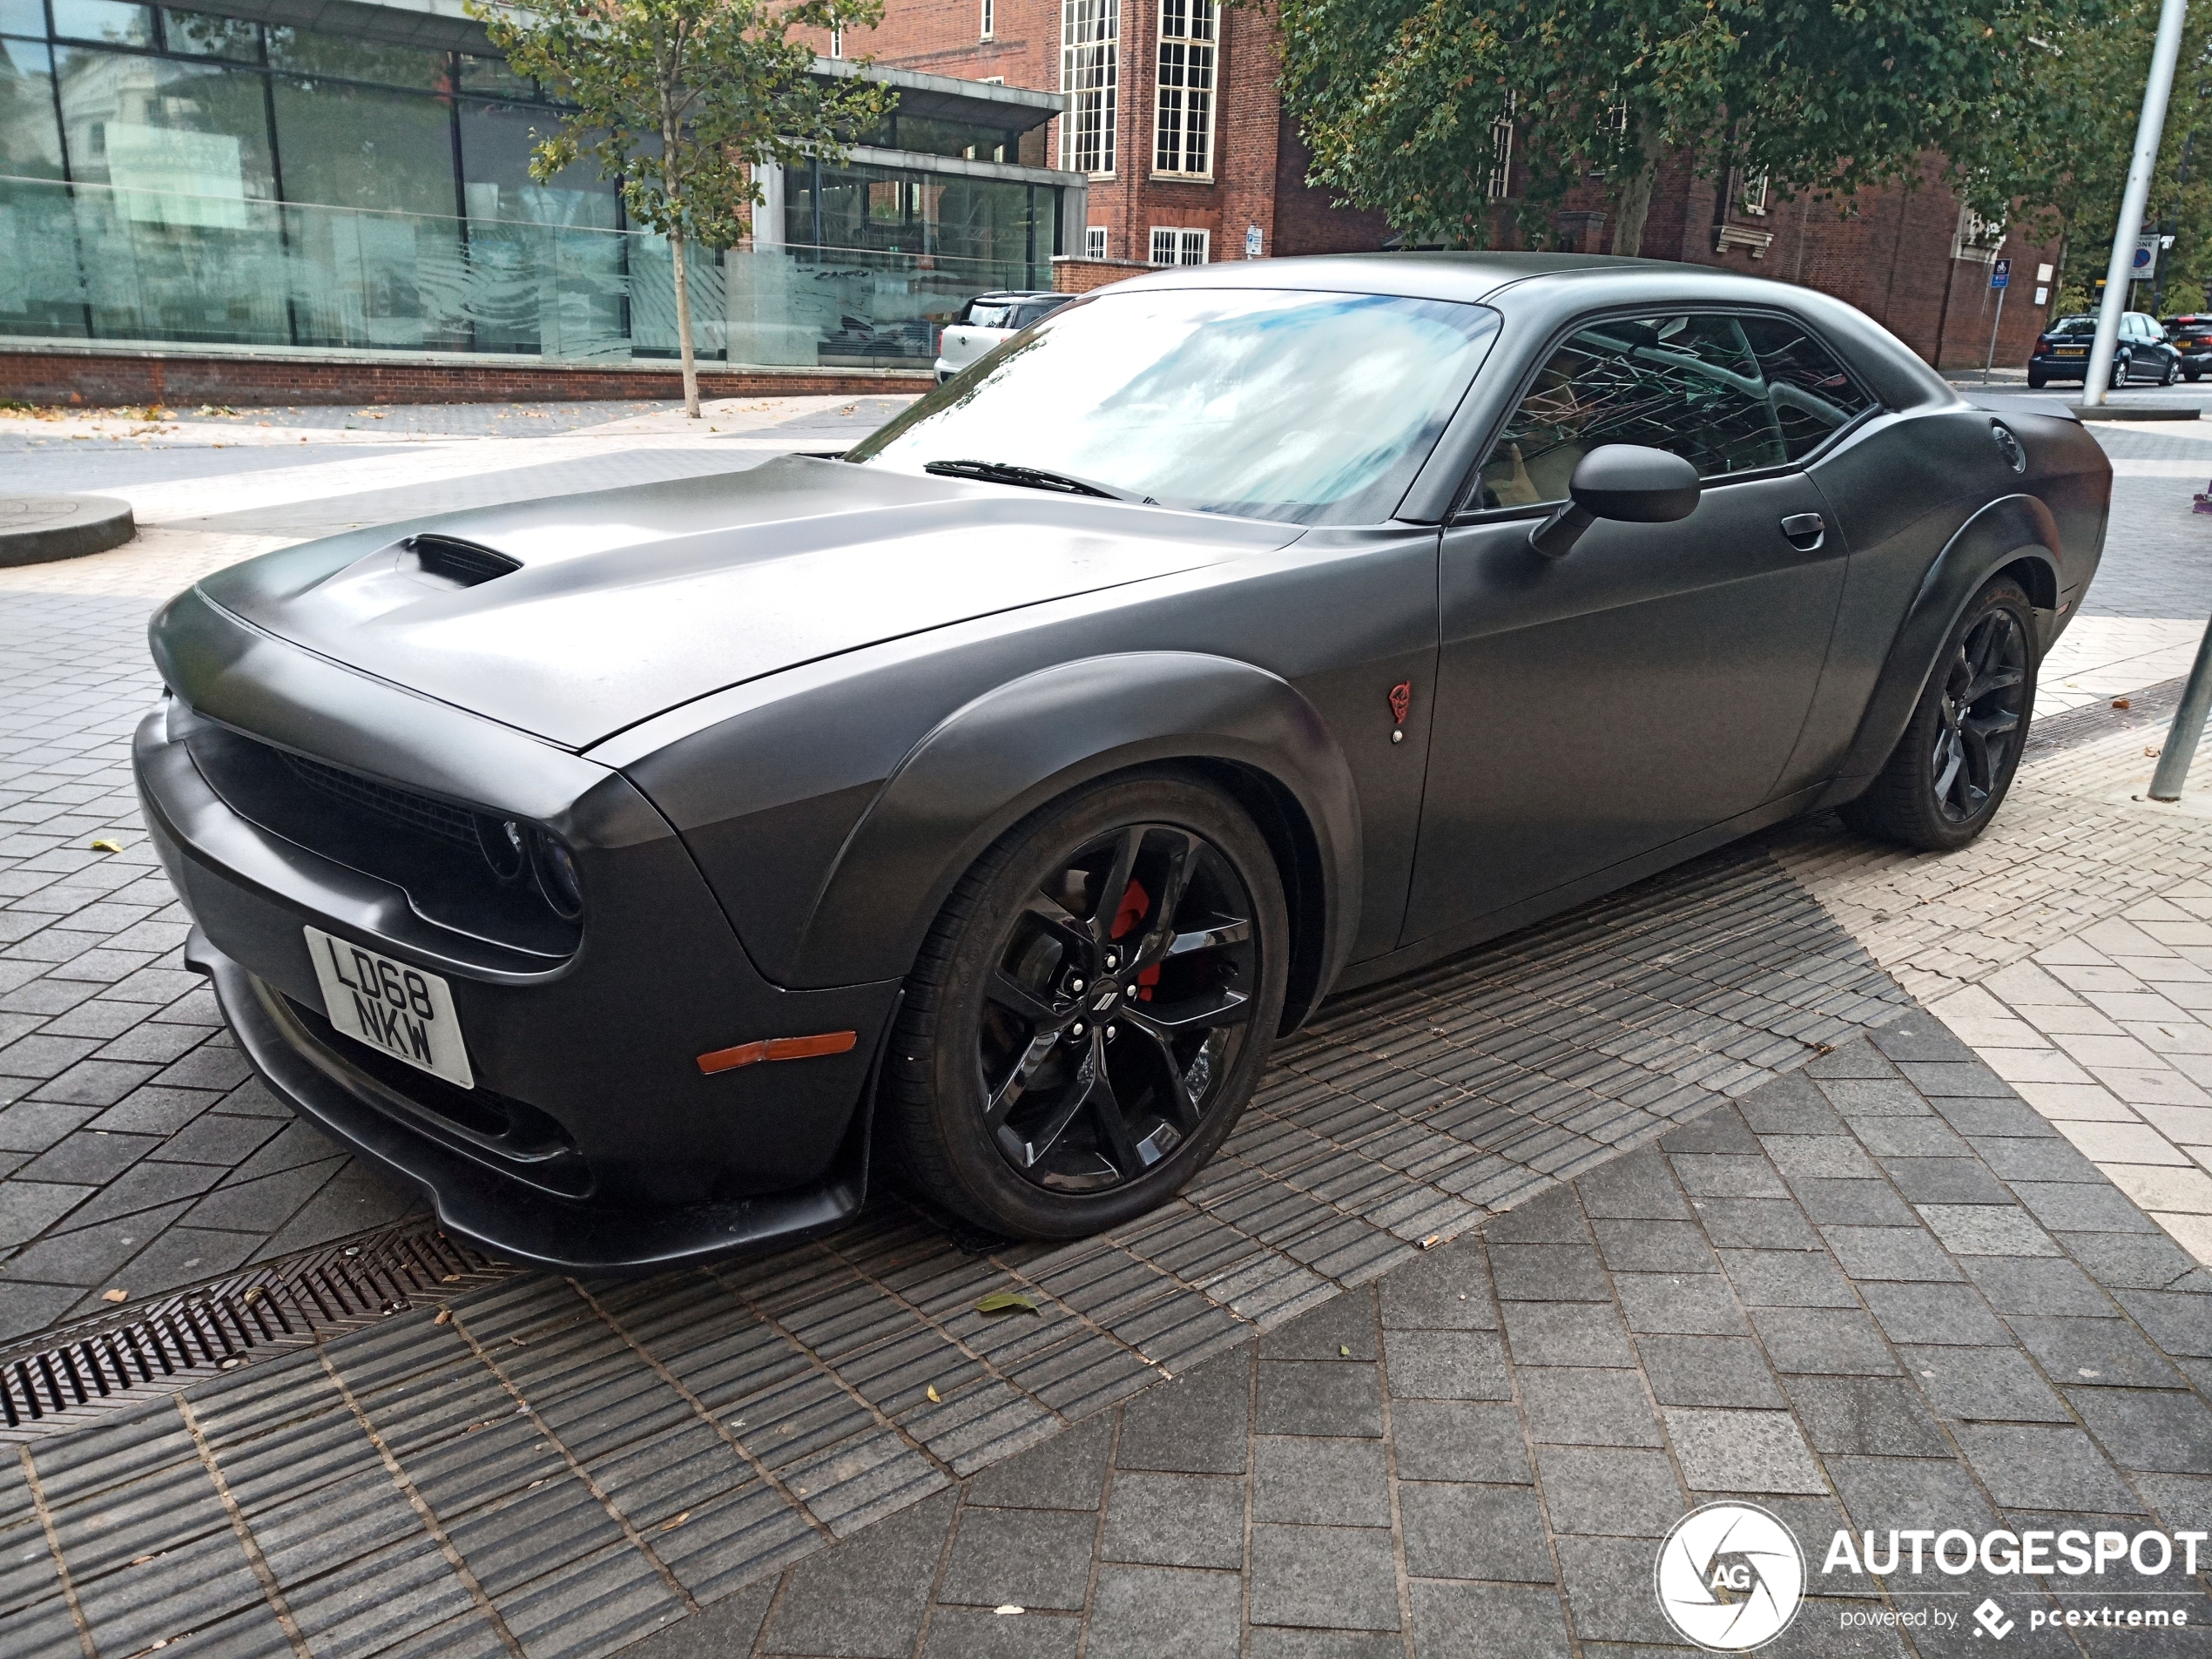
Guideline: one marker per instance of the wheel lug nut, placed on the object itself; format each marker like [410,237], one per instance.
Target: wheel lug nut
[1111,1034]
[1076,1029]
[1075,988]
[1129,989]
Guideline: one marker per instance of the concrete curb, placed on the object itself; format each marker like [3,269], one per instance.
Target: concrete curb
[35,529]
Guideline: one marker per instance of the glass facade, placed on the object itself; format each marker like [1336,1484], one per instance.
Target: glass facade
[175,176]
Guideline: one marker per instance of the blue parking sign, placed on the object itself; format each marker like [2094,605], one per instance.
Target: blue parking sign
[2000,273]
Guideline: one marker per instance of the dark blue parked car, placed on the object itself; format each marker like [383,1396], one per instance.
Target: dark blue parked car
[2062,352]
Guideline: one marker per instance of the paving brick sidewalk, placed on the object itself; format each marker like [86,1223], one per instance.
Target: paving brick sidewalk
[1885,1293]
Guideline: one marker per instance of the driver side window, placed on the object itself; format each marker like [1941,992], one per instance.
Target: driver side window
[1728,393]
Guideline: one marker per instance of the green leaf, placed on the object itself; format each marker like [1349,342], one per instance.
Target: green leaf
[1005,1302]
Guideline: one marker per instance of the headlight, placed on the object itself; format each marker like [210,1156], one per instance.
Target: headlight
[557,877]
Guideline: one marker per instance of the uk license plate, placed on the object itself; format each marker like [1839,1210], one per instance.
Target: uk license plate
[392,1006]
[2071,351]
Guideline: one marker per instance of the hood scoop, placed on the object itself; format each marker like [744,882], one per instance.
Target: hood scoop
[452,562]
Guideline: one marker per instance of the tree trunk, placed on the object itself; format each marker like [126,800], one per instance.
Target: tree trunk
[683,327]
[1635,207]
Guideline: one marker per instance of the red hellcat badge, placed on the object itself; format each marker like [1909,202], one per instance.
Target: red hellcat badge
[1402,699]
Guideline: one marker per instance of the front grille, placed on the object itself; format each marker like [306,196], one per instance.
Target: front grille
[401,806]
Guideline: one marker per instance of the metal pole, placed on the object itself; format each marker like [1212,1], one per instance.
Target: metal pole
[1994,327]
[2189,725]
[2150,126]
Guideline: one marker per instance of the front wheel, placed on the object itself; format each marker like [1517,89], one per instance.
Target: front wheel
[1951,769]
[2119,372]
[2166,378]
[1092,1009]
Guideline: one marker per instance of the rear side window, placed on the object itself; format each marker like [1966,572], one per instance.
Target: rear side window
[989,314]
[1729,394]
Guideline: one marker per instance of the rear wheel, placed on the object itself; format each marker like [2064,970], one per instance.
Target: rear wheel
[1092,1010]
[2035,382]
[1952,768]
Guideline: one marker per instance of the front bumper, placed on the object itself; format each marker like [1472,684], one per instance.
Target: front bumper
[319,1082]
[593,1140]
[2060,368]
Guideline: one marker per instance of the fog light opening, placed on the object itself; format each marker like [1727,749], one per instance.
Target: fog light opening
[557,876]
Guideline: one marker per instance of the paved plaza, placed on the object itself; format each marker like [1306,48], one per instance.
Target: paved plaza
[1869,1187]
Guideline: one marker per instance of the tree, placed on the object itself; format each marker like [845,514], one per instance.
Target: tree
[2052,159]
[1398,99]
[679,100]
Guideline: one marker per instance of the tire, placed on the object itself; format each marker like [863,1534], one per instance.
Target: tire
[2191,374]
[1961,749]
[1066,1058]
[2166,377]
[2119,372]
[2035,382]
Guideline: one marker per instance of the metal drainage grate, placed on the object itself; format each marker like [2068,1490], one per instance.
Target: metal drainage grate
[187,1335]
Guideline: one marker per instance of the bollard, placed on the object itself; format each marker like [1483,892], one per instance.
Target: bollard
[2189,725]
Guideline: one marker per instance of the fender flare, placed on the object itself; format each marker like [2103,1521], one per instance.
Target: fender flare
[999,756]
[2013,530]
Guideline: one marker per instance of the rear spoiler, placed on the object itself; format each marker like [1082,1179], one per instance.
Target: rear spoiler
[2001,403]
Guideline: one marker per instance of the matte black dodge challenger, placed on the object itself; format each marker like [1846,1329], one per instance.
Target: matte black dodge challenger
[632,870]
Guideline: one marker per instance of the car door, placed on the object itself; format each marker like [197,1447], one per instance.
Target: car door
[1654,681]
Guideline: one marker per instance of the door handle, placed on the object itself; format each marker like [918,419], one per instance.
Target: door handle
[1805,531]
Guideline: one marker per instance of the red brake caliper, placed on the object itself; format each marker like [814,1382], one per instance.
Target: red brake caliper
[1135,902]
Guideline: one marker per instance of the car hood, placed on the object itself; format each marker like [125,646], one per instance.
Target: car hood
[624,603]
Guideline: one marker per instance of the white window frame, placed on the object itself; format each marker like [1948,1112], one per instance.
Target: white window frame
[1094,241]
[1500,182]
[1173,244]
[1090,44]
[1753,200]
[989,19]
[1183,98]
[837,43]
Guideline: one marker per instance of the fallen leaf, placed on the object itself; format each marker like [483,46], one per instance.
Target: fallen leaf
[445,1316]
[106,846]
[1005,1302]
[450,1278]
[935,1399]
[2119,703]
[671,1526]
[518,1342]
[1343,1352]
[115,1296]
[141,1560]
[254,1295]
[2152,752]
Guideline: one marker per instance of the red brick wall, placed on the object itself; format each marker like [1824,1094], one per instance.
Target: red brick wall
[100,379]
[1081,276]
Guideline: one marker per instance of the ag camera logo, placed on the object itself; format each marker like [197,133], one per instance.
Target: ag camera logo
[1730,1577]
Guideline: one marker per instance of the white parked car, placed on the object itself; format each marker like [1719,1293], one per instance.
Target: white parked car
[985,323]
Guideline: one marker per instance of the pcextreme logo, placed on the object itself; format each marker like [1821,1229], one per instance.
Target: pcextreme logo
[1730,1577]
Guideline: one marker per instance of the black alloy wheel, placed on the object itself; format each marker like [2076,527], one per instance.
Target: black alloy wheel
[1962,746]
[1092,1011]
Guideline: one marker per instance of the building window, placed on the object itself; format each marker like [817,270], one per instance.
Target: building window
[1180,247]
[1976,238]
[1188,42]
[1754,197]
[1094,241]
[1501,154]
[1090,66]
[990,18]
[837,43]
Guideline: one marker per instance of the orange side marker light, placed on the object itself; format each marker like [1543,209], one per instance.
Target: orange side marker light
[778,1049]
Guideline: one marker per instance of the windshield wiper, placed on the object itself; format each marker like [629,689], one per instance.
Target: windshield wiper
[1005,472]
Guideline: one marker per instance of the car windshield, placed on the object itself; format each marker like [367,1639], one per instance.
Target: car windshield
[1312,407]
[2073,326]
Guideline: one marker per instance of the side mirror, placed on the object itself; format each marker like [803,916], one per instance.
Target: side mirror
[1621,480]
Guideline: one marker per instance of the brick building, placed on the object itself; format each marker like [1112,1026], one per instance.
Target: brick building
[1176,118]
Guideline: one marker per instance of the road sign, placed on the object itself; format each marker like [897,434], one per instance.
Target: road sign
[2146,255]
[1251,242]
[2000,273]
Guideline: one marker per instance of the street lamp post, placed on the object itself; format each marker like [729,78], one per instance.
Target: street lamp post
[2150,126]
